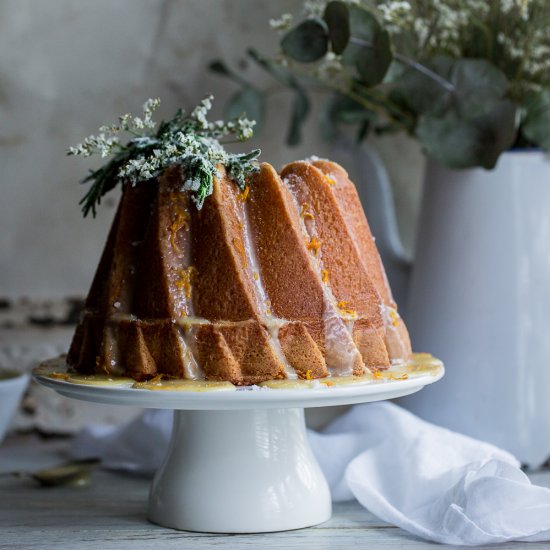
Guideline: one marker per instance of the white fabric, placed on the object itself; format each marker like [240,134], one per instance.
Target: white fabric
[432,482]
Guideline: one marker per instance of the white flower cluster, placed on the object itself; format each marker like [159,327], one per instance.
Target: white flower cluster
[522,6]
[283,23]
[199,113]
[314,8]
[102,145]
[107,143]
[396,14]
[329,67]
[189,142]
[241,127]
[444,27]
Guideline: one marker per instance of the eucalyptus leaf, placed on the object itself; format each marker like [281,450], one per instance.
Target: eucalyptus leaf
[300,112]
[339,110]
[280,73]
[461,143]
[421,93]
[369,48]
[307,42]
[250,102]
[218,66]
[363,131]
[336,17]
[478,84]
[536,125]
[471,86]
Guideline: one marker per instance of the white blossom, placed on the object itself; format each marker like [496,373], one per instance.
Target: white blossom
[314,8]
[283,23]
[199,113]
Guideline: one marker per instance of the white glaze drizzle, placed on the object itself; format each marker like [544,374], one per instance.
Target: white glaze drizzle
[341,351]
[191,367]
[255,275]
[253,268]
[273,325]
[184,304]
[110,335]
[388,316]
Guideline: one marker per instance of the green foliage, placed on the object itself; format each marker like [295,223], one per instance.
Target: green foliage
[247,101]
[465,142]
[467,79]
[421,93]
[301,104]
[478,84]
[341,110]
[336,17]
[369,48]
[307,42]
[536,125]
[190,142]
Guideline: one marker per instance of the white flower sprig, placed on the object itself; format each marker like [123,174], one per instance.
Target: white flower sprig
[190,142]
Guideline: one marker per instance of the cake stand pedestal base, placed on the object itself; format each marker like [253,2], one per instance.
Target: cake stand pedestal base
[239,460]
[239,471]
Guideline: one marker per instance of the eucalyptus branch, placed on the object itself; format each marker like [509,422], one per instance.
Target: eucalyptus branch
[368,104]
[413,64]
[449,86]
[387,105]
[496,52]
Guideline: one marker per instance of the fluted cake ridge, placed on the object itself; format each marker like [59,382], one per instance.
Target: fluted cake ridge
[279,280]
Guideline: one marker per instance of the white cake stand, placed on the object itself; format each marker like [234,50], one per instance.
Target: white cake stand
[240,461]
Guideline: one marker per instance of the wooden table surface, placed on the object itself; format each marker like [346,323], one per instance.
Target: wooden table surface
[111,514]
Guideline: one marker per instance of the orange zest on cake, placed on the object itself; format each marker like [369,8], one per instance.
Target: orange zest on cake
[185,280]
[344,308]
[314,245]
[244,194]
[404,376]
[330,179]
[180,222]
[238,244]
[305,213]
[156,379]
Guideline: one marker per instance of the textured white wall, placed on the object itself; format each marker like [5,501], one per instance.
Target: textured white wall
[68,66]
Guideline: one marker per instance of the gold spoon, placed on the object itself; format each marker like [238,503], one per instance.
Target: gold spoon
[76,473]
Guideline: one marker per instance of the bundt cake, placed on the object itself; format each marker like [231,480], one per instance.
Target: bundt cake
[281,280]
[217,268]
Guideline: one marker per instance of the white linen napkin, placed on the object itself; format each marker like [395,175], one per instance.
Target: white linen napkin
[434,483]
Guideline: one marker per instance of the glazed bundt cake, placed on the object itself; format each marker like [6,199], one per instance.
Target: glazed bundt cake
[235,274]
[281,280]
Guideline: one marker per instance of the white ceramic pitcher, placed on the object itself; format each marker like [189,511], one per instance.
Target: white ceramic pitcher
[479,294]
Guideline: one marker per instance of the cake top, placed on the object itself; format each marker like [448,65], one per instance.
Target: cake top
[188,141]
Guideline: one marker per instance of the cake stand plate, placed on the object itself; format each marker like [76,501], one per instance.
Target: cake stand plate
[239,461]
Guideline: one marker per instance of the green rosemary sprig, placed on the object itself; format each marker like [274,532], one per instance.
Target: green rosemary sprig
[192,142]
